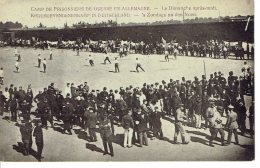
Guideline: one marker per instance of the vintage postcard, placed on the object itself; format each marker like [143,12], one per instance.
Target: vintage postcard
[126,80]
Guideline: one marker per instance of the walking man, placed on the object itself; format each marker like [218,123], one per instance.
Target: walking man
[138,65]
[178,125]
[232,125]
[216,126]
[106,59]
[166,55]
[37,133]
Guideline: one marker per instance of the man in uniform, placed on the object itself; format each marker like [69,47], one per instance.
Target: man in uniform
[138,65]
[91,124]
[37,133]
[106,135]
[231,124]
[216,127]
[179,117]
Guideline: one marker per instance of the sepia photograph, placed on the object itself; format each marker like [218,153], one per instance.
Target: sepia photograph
[127,80]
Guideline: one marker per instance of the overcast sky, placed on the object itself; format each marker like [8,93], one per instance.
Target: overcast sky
[21,10]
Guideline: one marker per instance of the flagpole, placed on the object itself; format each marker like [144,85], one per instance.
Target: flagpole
[205,69]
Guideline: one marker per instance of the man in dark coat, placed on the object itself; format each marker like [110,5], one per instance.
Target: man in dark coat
[179,117]
[91,124]
[37,133]
[141,121]
[67,112]
[106,135]
[157,124]
[26,133]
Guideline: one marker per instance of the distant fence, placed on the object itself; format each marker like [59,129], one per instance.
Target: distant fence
[232,31]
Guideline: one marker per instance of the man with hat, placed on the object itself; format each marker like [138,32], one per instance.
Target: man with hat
[141,121]
[179,117]
[216,127]
[106,135]
[231,124]
[38,134]
[91,124]
[128,125]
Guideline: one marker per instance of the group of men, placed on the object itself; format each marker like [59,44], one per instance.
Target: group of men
[140,110]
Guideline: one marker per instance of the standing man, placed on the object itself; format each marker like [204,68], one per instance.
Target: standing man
[39,60]
[216,126]
[138,65]
[37,133]
[106,135]
[232,125]
[116,65]
[91,124]
[17,66]
[1,76]
[50,54]
[44,63]
[179,117]
[128,125]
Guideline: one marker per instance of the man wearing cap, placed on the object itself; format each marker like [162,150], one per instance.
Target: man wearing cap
[128,125]
[241,111]
[38,134]
[231,124]
[179,117]
[141,121]
[91,124]
[216,127]
[106,135]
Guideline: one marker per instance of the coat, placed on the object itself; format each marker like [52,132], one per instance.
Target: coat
[232,121]
[91,120]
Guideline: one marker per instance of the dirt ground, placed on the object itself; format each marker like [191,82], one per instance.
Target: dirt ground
[67,67]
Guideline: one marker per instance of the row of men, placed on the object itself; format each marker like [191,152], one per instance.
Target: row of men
[210,48]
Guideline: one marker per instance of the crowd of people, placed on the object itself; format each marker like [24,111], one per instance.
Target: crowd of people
[138,110]
[209,48]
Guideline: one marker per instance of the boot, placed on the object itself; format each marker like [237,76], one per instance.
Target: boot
[183,140]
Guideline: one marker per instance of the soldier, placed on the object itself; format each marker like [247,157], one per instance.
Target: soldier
[128,125]
[231,124]
[26,133]
[106,135]
[216,127]
[91,124]
[156,123]
[141,123]
[251,118]
[67,111]
[241,112]
[179,117]
[38,134]
[13,109]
